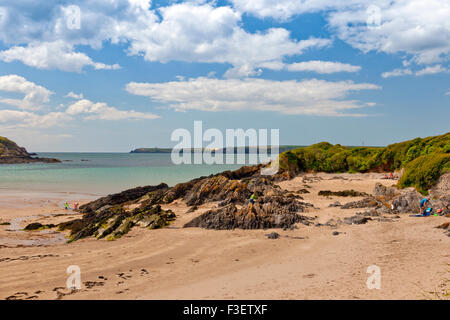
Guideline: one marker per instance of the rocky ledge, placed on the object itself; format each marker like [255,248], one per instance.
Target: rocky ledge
[113,216]
[11,153]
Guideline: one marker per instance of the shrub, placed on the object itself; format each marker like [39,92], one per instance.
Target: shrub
[423,159]
[424,171]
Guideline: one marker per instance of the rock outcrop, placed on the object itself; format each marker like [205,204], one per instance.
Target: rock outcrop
[120,198]
[114,222]
[112,216]
[11,153]
[267,212]
[344,193]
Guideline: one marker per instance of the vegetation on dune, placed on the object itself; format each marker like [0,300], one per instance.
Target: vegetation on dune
[5,144]
[424,159]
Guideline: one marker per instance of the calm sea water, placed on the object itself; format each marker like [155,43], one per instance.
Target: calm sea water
[101,173]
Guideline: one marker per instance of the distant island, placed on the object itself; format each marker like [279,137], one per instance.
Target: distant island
[236,150]
[11,153]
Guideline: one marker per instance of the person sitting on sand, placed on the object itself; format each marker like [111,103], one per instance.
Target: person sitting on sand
[423,202]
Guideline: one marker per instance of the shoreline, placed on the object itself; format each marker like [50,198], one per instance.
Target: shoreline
[307,262]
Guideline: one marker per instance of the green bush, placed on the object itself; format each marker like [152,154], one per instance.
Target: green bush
[424,159]
[424,171]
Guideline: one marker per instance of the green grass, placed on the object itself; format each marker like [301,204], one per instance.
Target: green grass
[424,159]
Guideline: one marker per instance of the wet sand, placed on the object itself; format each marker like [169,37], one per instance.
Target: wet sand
[190,263]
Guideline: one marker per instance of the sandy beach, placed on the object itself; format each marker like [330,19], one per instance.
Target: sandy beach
[308,262]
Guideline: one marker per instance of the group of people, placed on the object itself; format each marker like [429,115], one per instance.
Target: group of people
[426,210]
[75,206]
[390,176]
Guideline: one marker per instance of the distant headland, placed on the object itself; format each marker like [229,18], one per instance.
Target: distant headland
[236,150]
[11,153]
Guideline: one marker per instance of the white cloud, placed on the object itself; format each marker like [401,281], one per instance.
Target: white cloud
[52,55]
[313,97]
[217,39]
[425,71]
[35,95]
[73,95]
[431,70]
[396,73]
[286,9]
[190,32]
[447,93]
[102,111]
[322,67]
[26,119]
[416,27]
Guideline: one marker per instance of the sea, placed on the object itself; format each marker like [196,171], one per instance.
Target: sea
[101,173]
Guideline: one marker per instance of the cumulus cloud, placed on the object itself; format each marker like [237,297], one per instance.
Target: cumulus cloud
[418,28]
[322,67]
[52,55]
[100,110]
[312,97]
[26,119]
[431,70]
[286,9]
[424,71]
[73,95]
[396,73]
[415,27]
[35,95]
[190,32]
[217,39]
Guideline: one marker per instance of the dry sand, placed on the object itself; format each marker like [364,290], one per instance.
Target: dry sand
[176,263]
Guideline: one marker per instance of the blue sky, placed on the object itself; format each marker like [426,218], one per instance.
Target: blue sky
[363,72]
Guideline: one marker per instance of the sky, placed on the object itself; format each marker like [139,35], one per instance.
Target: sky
[114,75]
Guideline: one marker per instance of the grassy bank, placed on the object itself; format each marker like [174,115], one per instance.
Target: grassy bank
[423,159]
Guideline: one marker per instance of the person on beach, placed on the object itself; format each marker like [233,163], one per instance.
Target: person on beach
[75,207]
[66,206]
[422,203]
[252,198]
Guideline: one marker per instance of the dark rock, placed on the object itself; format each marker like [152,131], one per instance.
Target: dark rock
[273,235]
[445,226]
[335,233]
[330,223]
[335,204]
[192,209]
[357,219]
[406,202]
[115,222]
[344,193]
[37,226]
[120,198]
[386,192]
[364,203]
[267,212]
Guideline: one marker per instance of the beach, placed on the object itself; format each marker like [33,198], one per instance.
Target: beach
[305,262]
